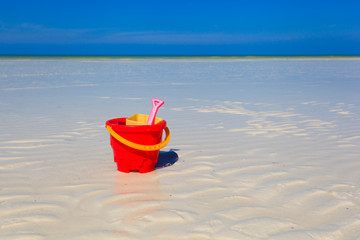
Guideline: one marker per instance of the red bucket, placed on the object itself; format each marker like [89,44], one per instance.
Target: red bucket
[136,147]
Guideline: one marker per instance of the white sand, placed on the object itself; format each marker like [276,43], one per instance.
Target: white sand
[268,149]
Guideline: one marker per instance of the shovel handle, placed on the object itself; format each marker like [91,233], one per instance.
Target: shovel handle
[156,103]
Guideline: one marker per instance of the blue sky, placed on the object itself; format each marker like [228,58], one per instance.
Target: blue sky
[155,27]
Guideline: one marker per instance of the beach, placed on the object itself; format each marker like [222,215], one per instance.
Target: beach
[268,148]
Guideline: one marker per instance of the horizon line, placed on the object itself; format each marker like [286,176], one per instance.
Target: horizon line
[169,56]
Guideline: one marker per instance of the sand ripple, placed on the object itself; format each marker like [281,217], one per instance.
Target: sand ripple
[263,151]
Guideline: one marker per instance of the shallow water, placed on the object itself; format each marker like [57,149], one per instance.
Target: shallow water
[268,149]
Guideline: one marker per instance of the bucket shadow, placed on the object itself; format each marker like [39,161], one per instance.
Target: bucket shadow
[167,158]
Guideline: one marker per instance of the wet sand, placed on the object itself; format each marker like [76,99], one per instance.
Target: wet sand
[267,149]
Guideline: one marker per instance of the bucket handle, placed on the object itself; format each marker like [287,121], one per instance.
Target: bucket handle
[140,146]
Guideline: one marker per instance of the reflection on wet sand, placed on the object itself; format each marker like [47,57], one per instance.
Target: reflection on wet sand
[140,196]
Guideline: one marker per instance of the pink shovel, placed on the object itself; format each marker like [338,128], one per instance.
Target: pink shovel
[156,103]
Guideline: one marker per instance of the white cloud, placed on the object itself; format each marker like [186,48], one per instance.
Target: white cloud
[39,34]
[194,38]
[31,33]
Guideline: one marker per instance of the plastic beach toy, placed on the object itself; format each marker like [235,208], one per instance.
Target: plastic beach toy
[156,103]
[140,119]
[136,145]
